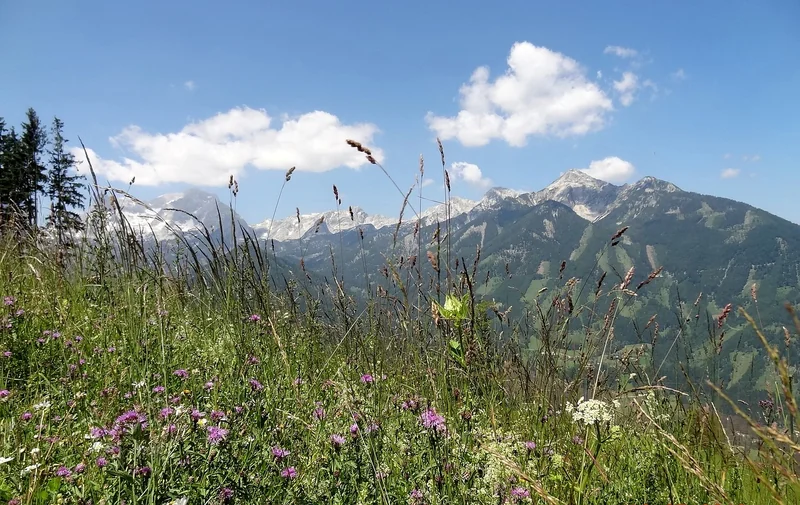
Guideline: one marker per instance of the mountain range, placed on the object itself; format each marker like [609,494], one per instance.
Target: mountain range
[708,252]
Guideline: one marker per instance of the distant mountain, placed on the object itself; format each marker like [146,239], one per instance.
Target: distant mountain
[710,249]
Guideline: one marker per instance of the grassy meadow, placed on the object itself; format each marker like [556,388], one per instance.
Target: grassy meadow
[131,376]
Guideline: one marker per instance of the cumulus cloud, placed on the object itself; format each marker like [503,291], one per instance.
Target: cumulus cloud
[626,87]
[730,173]
[190,85]
[207,152]
[622,52]
[611,169]
[542,92]
[679,75]
[469,173]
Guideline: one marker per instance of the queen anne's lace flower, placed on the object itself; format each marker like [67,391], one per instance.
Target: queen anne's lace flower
[591,411]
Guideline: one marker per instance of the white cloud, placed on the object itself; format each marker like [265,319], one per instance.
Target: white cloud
[207,152]
[611,169]
[727,156]
[469,173]
[427,182]
[626,87]
[753,158]
[679,75]
[190,85]
[622,52]
[730,173]
[542,92]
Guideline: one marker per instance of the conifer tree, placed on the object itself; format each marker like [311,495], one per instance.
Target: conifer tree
[32,144]
[63,188]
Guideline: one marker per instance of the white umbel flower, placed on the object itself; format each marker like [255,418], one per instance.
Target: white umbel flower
[591,411]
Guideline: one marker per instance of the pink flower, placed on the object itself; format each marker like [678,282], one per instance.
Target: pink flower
[289,473]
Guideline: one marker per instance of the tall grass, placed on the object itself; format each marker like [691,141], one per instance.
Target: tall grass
[200,372]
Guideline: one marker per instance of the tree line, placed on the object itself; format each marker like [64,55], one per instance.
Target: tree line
[35,165]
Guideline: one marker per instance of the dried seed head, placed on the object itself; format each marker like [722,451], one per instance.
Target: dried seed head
[421,166]
[289,174]
[616,236]
[753,293]
[441,149]
[297,210]
[627,280]
[230,182]
[335,193]
[371,159]
[447,180]
[721,318]
[650,277]
[350,209]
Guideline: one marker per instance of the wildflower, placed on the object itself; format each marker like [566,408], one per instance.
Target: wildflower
[7,354]
[253,360]
[170,429]
[8,301]
[354,429]
[4,393]
[181,373]
[166,412]
[196,415]
[337,440]
[28,469]
[143,471]
[367,378]
[208,386]
[101,462]
[319,413]
[158,389]
[41,405]
[590,411]
[80,468]
[530,445]
[279,453]
[577,440]
[216,435]
[254,318]
[289,473]
[416,496]
[26,416]
[298,381]
[255,385]
[225,494]
[63,471]
[431,420]
[520,493]
[217,415]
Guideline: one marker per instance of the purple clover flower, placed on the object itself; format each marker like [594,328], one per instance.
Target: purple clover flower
[432,420]
[280,453]
[289,473]
[520,493]
[254,318]
[337,440]
[181,373]
[367,378]
[216,435]
[63,471]
[101,462]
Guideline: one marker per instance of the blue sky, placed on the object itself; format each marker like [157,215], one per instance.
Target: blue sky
[703,94]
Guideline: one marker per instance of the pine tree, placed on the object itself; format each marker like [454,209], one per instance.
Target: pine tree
[63,188]
[32,144]
[12,184]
